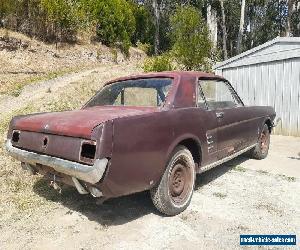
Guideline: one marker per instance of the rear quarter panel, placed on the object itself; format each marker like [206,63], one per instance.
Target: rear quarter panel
[143,144]
[259,116]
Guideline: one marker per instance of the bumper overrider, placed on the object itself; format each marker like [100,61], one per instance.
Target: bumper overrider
[91,174]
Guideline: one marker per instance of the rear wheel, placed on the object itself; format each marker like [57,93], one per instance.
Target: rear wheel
[174,192]
[261,150]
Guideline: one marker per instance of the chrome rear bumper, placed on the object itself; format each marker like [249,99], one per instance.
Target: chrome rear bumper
[87,173]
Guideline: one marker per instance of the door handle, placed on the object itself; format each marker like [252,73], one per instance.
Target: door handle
[220,114]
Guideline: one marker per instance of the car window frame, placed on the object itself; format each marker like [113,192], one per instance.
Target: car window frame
[227,83]
[163,104]
[234,93]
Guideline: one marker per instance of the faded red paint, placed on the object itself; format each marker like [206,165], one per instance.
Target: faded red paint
[139,141]
[77,123]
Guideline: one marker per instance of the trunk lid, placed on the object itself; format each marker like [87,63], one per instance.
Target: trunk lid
[77,123]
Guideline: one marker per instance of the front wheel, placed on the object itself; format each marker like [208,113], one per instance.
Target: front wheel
[174,192]
[261,150]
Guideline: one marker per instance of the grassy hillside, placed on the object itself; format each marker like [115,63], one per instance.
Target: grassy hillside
[41,78]
[24,61]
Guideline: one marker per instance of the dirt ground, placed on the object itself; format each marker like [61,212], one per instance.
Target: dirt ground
[242,196]
[229,200]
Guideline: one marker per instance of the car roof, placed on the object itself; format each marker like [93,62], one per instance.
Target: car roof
[170,74]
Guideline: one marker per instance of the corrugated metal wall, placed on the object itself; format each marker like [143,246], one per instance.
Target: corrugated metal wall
[274,84]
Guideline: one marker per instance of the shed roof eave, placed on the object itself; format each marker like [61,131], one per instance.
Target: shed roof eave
[223,64]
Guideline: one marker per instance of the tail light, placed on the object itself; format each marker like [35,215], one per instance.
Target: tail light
[88,151]
[16,136]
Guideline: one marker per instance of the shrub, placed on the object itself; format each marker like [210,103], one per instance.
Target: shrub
[191,45]
[7,7]
[158,63]
[115,22]
[146,47]
[145,28]
[63,15]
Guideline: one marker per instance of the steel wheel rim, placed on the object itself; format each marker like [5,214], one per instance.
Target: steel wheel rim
[180,182]
[264,142]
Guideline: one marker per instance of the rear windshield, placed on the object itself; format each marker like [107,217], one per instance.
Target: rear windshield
[139,92]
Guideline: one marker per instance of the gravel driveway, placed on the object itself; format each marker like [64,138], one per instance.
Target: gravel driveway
[241,197]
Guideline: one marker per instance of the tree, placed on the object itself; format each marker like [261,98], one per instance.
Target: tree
[115,22]
[241,29]
[61,15]
[224,32]
[233,25]
[7,7]
[267,19]
[145,28]
[292,8]
[191,45]
[156,11]
[295,19]
[212,23]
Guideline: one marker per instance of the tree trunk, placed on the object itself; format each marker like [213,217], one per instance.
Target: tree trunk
[224,30]
[212,25]
[157,21]
[241,30]
[291,8]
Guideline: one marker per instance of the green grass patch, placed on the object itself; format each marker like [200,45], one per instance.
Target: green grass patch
[240,169]
[220,195]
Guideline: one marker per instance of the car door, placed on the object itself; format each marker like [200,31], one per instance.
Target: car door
[233,132]
[209,124]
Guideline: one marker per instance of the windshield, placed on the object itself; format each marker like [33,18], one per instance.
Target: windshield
[139,92]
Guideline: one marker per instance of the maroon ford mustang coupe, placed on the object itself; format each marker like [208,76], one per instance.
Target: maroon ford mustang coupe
[147,132]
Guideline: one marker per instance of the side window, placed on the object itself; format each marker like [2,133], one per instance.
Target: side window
[219,95]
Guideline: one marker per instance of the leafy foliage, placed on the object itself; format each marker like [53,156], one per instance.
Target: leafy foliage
[121,23]
[6,7]
[63,15]
[146,47]
[115,22]
[232,12]
[158,64]
[145,29]
[189,35]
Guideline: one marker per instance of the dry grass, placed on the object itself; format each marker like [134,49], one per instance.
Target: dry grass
[32,66]
[15,87]
[37,61]
[19,188]
[19,195]
[16,186]
[21,191]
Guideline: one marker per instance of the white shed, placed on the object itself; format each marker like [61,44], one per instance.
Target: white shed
[269,75]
